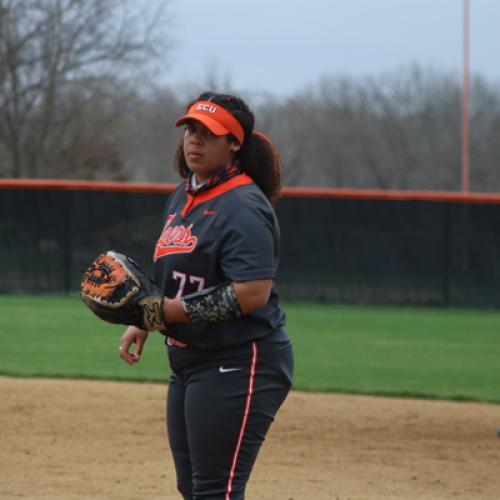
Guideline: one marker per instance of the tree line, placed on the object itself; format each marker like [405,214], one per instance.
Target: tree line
[78,100]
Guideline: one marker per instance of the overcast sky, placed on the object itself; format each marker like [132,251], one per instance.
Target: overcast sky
[281,46]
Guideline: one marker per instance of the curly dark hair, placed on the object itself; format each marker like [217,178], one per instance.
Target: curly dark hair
[257,155]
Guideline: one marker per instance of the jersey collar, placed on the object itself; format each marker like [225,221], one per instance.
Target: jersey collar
[201,196]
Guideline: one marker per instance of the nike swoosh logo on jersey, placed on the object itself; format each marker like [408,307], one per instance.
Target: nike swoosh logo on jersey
[226,370]
[209,212]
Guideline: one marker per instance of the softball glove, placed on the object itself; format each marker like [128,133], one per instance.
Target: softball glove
[116,290]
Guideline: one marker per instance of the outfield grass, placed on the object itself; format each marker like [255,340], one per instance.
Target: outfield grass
[415,352]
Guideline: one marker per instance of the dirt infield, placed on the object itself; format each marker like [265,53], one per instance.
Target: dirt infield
[68,440]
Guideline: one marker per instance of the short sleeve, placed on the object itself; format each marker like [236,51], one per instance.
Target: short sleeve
[248,245]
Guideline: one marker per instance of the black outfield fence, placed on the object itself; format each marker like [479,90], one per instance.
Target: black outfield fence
[337,245]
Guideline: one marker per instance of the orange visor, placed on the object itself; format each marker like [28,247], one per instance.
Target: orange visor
[217,119]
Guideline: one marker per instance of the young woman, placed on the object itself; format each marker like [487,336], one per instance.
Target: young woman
[216,260]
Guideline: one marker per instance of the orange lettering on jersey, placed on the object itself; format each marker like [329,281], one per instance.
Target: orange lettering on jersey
[175,239]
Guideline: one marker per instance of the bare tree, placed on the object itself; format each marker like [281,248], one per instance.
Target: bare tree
[400,130]
[485,136]
[145,135]
[62,59]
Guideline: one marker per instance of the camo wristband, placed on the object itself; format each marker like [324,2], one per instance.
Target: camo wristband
[216,303]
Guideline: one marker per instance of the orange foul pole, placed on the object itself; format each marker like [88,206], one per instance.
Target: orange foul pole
[465,102]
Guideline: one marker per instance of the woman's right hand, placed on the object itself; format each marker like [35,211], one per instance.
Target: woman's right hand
[132,335]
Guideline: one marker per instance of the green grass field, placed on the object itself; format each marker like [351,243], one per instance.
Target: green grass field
[414,352]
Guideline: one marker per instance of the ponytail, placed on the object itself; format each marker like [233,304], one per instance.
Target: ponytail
[261,161]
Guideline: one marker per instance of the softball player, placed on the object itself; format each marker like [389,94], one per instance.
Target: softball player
[216,260]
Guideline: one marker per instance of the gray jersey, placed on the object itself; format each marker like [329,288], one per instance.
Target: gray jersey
[228,233]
